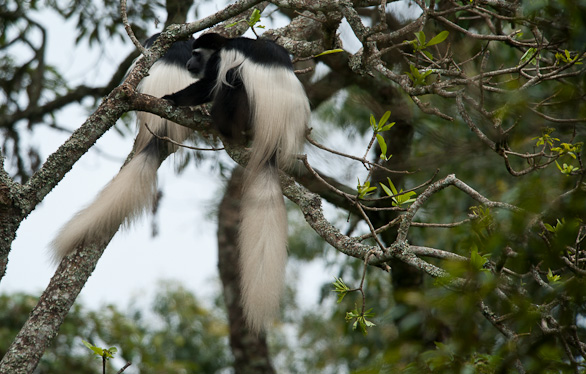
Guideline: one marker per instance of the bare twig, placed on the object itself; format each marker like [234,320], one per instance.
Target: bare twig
[167,139]
[128,29]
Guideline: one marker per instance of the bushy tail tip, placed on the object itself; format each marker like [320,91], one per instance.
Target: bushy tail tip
[129,193]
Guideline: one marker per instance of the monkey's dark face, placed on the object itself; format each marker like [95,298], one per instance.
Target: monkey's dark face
[198,61]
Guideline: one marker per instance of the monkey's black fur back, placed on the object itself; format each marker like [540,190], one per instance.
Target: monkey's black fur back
[178,54]
[261,51]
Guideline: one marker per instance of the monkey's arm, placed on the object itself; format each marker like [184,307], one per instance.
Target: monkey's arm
[197,93]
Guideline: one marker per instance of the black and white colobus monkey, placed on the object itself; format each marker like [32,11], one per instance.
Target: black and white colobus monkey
[133,189]
[255,94]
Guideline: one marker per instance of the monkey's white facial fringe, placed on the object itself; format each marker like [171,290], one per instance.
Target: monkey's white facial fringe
[133,189]
[280,113]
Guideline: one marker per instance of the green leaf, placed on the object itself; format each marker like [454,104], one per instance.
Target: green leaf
[97,350]
[373,122]
[414,71]
[101,352]
[438,38]
[341,288]
[87,344]
[427,54]
[559,224]
[364,323]
[530,55]
[361,320]
[566,169]
[364,190]
[383,145]
[546,137]
[399,198]
[383,120]
[387,127]
[404,198]
[254,17]
[416,76]
[392,186]
[420,35]
[569,149]
[477,261]
[386,189]
[567,53]
[552,278]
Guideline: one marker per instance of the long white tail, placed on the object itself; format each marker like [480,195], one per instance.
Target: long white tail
[280,113]
[133,189]
[263,247]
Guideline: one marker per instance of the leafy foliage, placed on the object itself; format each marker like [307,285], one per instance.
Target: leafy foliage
[420,44]
[162,340]
[364,189]
[360,319]
[399,198]
[378,128]
[104,353]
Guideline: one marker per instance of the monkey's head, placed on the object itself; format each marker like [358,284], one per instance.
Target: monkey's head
[202,49]
[198,61]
